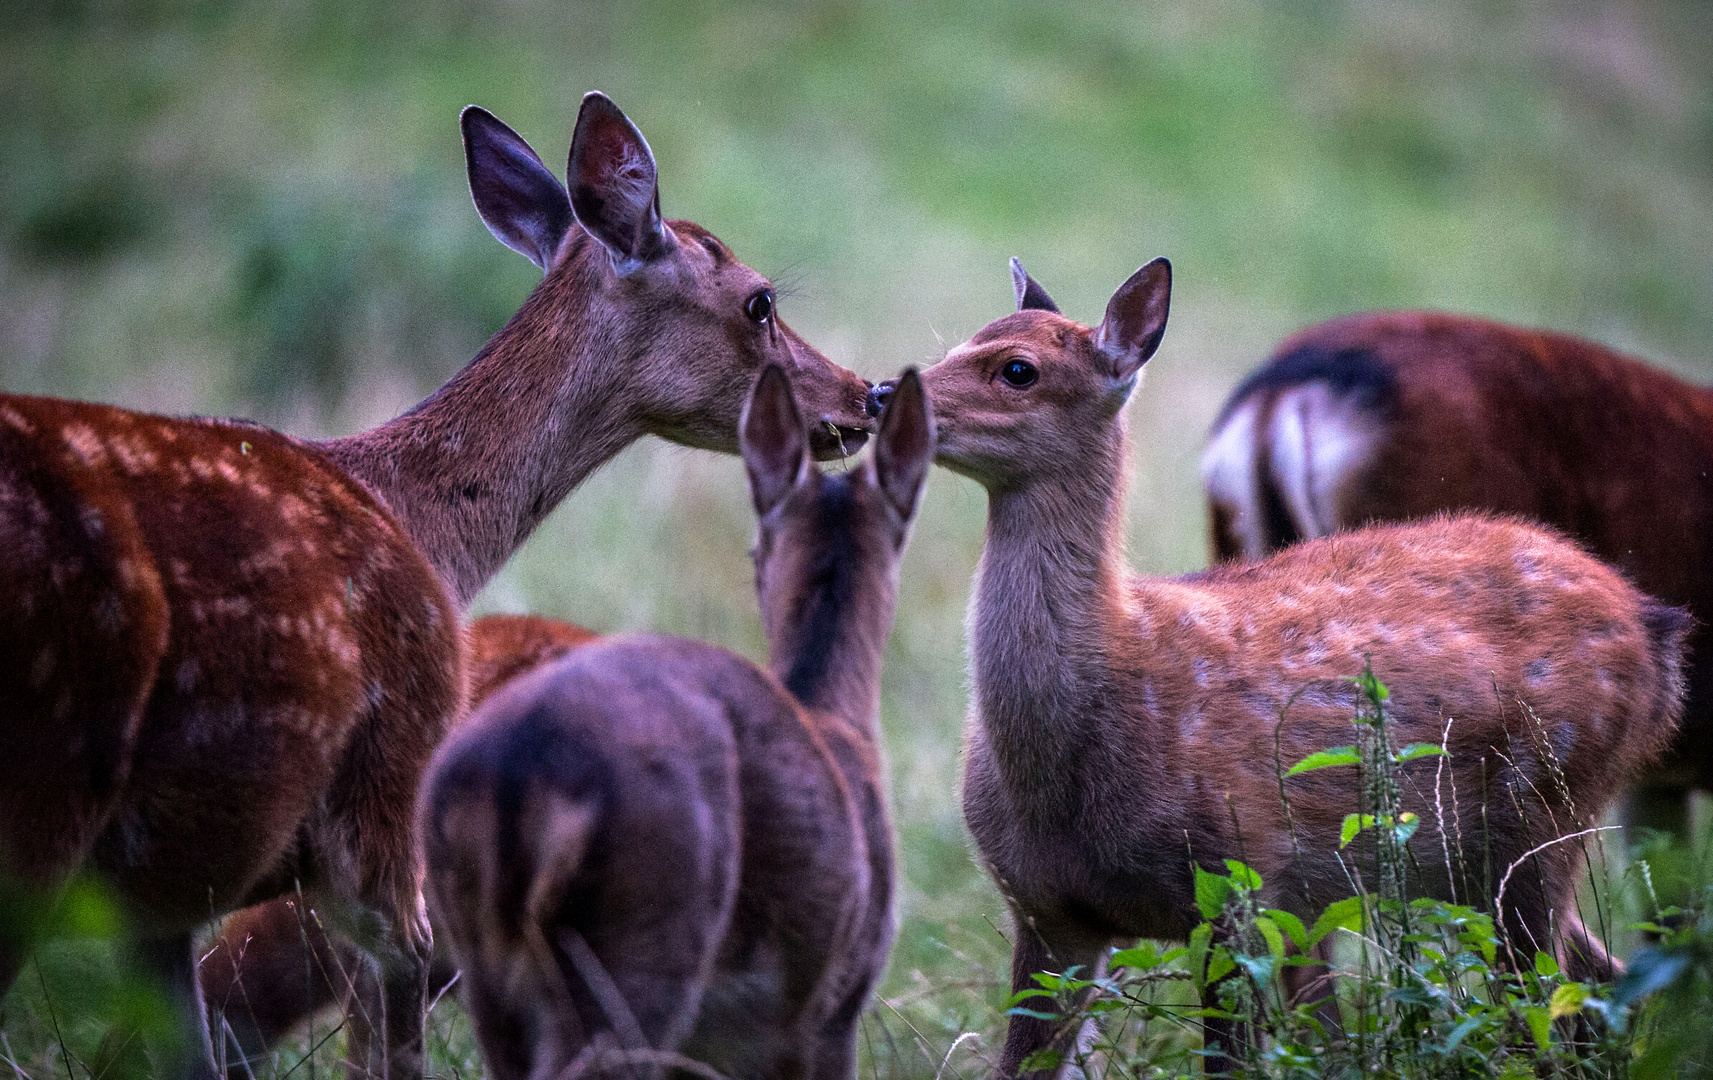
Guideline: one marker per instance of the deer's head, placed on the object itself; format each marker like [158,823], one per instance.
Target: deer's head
[687,325]
[1031,394]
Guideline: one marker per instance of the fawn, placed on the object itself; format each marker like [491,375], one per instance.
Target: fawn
[237,650]
[1124,726]
[653,851]
[1386,416]
[272,966]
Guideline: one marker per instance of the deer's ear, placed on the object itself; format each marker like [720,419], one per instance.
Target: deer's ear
[1136,319]
[614,189]
[904,447]
[521,202]
[771,438]
[1030,295]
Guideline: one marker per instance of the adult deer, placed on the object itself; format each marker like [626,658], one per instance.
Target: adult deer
[1395,415]
[273,966]
[238,650]
[652,849]
[1124,726]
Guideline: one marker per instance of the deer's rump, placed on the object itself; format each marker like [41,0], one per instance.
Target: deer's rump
[217,626]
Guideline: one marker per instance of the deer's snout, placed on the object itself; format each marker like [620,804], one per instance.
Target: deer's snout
[877,396]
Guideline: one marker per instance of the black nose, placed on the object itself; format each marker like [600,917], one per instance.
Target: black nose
[878,395]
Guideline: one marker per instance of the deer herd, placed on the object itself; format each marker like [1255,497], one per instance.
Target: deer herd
[240,691]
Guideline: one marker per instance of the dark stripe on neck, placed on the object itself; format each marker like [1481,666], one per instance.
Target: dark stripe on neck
[828,591]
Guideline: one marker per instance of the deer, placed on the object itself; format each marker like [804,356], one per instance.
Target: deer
[1388,416]
[274,965]
[1124,727]
[653,853]
[238,650]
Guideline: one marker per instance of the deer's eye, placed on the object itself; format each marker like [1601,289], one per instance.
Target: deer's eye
[1019,373]
[759,307]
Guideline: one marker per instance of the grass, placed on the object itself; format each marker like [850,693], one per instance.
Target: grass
[229,206]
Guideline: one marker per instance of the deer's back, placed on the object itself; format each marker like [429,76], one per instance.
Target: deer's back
[1473,414]
[264,611]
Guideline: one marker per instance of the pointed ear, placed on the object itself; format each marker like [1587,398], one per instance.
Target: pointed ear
[614,189]
[1136,318]
[520,200]
[1030,295]
[904,447]
[771,438]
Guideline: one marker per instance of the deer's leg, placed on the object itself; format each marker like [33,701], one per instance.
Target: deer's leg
[1584,956]
[271,968]
[1040,949]
[1314,982]
[1224,1041]
[172,962]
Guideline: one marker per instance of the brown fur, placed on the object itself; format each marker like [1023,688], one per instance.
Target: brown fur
[272,966]
[654,846]
[241,649]
[1124,725]
[1493,417]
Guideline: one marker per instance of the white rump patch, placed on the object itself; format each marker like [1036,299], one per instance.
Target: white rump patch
[1228,476]
[1316,442]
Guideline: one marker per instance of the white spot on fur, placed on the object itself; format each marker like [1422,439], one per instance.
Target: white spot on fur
[84,443]
[17,419]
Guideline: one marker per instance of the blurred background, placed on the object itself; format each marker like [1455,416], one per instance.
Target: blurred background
[259,208]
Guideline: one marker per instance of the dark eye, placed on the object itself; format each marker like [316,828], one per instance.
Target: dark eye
[760,306]
[1019,373]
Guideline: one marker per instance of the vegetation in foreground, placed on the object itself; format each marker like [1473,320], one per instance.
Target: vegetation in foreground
[1416,988]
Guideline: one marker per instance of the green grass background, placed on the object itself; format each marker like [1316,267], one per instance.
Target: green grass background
[249,207]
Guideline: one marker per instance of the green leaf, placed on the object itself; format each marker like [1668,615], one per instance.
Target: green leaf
[1024,995]
[1196,955]
[1418,750]
[1459,1032]
[1220,964]
[1567,1000]
[1406,827]
[1545,966]
[1325,759]
[1034,1014]
[1291,925]
[1144,957]
[1539,1019]
[1042,1061]
[1345,913]
[1048,980]
[1270,933]
[1212,890]
[1243,875]
[1353,824]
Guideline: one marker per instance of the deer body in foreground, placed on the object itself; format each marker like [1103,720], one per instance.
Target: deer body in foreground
[273,965]
[1124,726]
[652,846]
[238,649]
[1388,416]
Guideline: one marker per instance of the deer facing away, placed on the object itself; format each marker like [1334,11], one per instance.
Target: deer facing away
[1123,726]
[240,649]
[1387,416]
[654,847]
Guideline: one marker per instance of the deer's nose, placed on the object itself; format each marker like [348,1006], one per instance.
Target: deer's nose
[878,395]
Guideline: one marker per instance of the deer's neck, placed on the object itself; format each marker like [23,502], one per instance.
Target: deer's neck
[1048,602]
[471,471]
[827,648]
